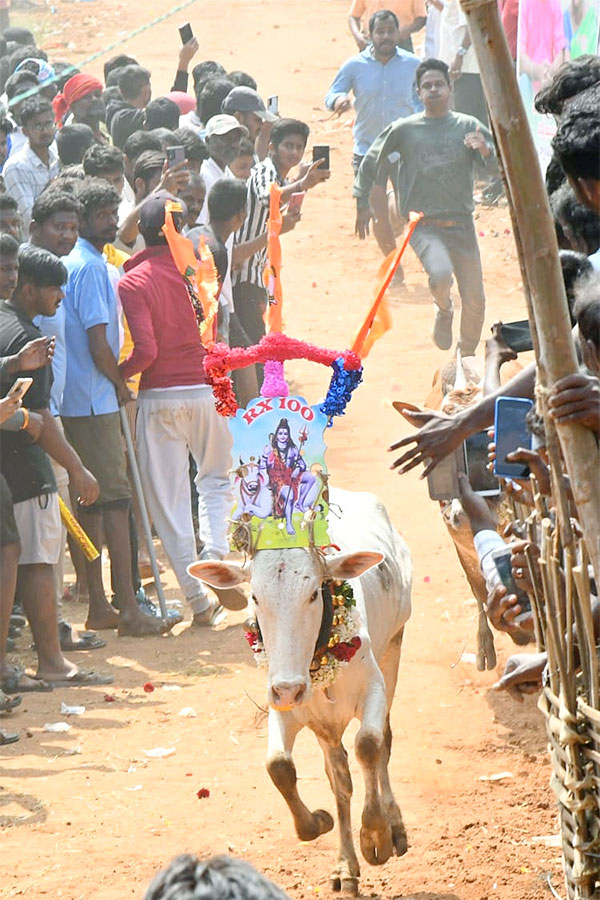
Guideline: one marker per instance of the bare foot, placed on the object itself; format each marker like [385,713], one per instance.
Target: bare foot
[68,669]
[103,620]
[141,625]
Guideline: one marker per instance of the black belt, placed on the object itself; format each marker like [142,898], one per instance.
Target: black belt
[444,223]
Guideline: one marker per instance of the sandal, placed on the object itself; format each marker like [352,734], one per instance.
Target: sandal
[7,703]
[13,683]
[214,615]
[8,737]
[87,640]
[81,678]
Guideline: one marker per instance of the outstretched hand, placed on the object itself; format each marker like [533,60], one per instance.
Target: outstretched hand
[174,179]
[522,675]
[315,174]
[503,609]
[438,436]
[187,53]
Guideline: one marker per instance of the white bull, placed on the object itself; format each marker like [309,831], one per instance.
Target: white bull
[287,602]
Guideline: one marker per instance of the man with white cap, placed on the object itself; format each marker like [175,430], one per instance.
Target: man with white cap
[249,109]
[223,136]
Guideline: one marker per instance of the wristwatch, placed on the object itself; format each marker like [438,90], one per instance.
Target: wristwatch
[462,51]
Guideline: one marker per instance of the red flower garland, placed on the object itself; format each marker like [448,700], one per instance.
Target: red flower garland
[221,359]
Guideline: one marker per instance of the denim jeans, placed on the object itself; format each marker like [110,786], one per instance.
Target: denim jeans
[451,250]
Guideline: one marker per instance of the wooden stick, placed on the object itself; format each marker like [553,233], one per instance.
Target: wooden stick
[547,305]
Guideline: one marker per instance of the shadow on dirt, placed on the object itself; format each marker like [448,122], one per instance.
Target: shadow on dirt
[523,722]
[34,810]
[413,294]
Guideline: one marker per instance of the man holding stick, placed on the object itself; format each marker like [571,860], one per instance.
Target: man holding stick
[438,150]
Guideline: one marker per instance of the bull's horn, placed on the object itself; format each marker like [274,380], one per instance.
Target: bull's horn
[460,379]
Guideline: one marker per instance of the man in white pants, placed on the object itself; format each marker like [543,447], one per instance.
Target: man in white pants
[176,413]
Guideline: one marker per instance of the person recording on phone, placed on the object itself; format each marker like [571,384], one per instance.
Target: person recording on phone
[381,77]
[439,151]
[286,149]
[503,608]
[151,174]
[189,48]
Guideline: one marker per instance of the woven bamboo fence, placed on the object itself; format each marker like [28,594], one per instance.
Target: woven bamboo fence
[568,532]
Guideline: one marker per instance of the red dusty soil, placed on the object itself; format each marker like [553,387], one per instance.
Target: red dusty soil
[86,815]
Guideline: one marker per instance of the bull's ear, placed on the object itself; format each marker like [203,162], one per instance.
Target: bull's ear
[218,574]
[351,565]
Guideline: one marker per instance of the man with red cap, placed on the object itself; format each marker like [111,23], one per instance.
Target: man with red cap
[82,99]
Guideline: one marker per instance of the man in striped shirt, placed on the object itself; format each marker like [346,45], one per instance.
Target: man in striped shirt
[286,149]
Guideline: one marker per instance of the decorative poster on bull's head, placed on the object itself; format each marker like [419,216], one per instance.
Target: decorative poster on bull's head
[279,476]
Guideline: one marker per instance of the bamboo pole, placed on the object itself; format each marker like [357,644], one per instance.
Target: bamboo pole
[546,301]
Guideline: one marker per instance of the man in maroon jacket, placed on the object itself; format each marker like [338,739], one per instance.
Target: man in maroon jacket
[176,413]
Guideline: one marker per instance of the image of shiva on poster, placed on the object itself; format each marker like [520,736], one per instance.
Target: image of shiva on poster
[279,476]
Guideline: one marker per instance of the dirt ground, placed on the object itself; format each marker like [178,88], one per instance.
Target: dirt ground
[86,815]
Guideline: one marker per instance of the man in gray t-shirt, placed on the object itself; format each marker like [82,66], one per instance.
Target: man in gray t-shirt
[438,151]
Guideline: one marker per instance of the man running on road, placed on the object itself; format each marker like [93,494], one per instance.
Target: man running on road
[438,151]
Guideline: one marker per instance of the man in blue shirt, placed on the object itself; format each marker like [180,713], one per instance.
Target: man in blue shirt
[55,227]
[93,391]
[381,78]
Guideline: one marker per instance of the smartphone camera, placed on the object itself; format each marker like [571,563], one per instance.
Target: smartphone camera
[175,155]
[321,151]
[480,478]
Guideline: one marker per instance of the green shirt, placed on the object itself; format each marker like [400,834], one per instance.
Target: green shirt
[435,175]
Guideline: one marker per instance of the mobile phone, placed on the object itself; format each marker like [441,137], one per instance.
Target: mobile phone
[20,387]
[175,155]
[443,480]
[295,204]
[321,151]
[511,432]
[503,565]
[273,104]
[517,335]
[185,33]
[480,478]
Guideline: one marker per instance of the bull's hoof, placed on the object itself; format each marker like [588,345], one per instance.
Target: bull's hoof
[399,840]
[344,880]
[347,885]
[376,844]
[320,823]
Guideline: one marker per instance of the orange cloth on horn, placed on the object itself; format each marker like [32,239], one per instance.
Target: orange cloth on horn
[199,272]
[272,273]
[378,319]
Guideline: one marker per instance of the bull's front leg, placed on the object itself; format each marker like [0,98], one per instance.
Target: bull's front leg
[375,834]
[283,728]
[345,876]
